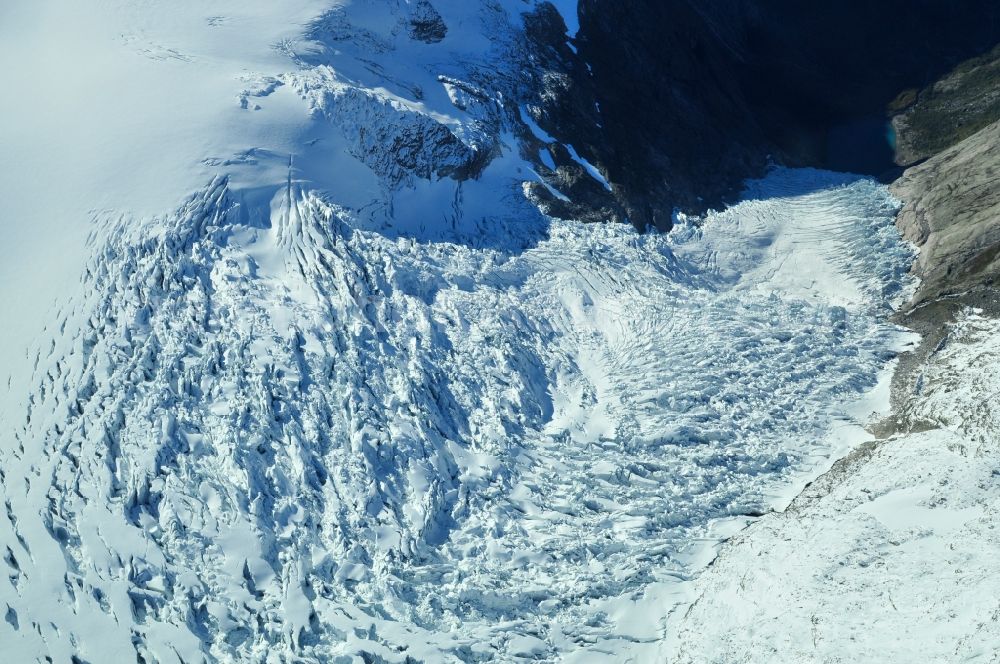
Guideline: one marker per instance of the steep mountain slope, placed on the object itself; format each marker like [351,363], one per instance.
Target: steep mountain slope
[891,555]
[960,104]
[694,97]
[346,377]
[951,213]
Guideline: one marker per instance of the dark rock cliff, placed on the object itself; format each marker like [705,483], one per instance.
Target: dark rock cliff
[948,111]
[678,101]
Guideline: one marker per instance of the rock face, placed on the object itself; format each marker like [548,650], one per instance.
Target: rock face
[426,24]
[952,207]
[698,96]
[952,211]
[952,109]
[675,126]
[905,526]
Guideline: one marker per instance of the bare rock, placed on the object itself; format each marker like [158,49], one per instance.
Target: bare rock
[949,111]
[952,212]
[426,24]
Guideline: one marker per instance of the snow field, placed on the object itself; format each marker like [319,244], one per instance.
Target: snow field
[834,577]
[356,397]
[260,439]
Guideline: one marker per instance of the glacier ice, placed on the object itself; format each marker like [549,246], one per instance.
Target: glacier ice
[305,439]
[357,398]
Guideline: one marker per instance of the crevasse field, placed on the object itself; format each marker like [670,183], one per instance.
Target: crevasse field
[278,389]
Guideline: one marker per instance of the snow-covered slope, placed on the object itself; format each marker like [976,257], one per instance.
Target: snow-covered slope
[354,396]
[891,559]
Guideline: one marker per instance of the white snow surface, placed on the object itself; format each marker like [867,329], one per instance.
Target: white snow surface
[894,560]
[350,397]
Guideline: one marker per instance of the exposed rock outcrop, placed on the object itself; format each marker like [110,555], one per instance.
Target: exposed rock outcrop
[426,24]
[948,111]
[952,211]
[698,96]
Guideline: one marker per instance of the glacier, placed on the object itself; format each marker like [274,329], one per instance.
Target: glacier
[265,438]
[351,396]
